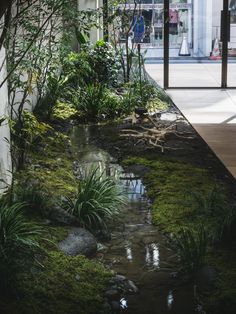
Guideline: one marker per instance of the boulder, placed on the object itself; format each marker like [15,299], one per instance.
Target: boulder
[79,242]
[59,216]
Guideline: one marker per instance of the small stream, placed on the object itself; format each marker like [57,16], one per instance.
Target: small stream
[137,249]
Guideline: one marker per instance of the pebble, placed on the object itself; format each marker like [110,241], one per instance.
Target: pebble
[132,287]
[120,278]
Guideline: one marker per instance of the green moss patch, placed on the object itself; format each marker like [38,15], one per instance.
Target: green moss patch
[169,184]
[48,174]
[65,285]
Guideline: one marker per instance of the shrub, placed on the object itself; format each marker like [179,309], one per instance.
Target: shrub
[146,95]
[18,244]
[99,198]
[103,61]
[111,105]
[63,111]
[192,248]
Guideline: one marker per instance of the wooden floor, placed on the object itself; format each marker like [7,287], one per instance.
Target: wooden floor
[211,112]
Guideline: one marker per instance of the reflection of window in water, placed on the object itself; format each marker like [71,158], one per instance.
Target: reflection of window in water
[232,7]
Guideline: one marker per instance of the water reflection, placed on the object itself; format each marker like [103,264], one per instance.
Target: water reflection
[133,185]
[129,254]
[152,256]
[123,303]
[170,300]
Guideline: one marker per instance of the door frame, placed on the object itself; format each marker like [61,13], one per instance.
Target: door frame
[225,33]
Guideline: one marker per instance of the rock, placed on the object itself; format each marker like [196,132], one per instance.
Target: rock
[79,242]
[77,277]
[131,286]
[120,278]
[60,216]
[101,247]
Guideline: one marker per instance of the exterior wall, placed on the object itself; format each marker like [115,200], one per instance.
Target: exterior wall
[95,34]
[5,156]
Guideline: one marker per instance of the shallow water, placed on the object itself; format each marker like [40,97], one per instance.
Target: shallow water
[137,249]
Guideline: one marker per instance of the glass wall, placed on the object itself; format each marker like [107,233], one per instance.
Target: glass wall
[232,45]
[198,61]
[195,49]
[152,16]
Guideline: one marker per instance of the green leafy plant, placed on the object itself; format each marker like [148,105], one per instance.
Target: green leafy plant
[18,243]
[192,249]
[103,60]
[91,100]
[63,111]
[142,95]
[111,106]
[26,133]
[98,200]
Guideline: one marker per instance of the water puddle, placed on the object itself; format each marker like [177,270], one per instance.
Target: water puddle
[136,250]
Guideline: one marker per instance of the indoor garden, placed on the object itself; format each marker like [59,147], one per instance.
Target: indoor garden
[110,201]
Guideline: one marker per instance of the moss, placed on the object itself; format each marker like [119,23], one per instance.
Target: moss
[65,285]
[53,235]
[50,169]
[169,184]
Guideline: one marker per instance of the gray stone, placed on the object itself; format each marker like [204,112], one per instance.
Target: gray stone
[79,242]
[120,278]
[102,247]
[77,277]
[132,287]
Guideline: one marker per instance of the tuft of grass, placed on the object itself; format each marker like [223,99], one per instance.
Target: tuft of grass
[98,200]
[18,243]
[192,249]
[215,207]
[32,196]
